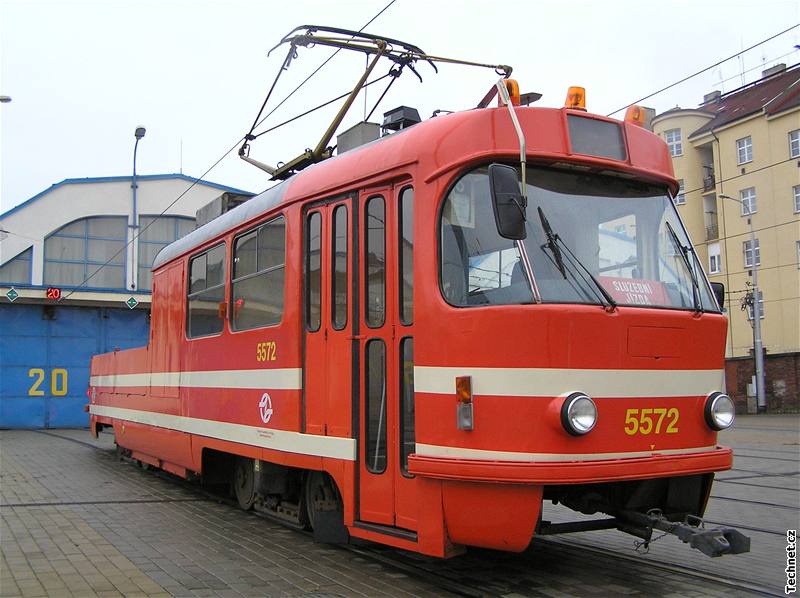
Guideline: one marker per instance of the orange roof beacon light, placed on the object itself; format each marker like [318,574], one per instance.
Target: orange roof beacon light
[512,86]
[576,98]
[635,115]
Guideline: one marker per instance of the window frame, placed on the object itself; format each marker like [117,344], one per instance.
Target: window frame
[751,202]
[231,281]
[189,295]
[26,255]
[674,141]
[176,219]
[337,324]
[750,251]
[744,145]
[794,144]
[680,196]
[714,251]
[86,237]
[796,193]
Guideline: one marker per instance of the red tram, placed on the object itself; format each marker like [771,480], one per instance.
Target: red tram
[379,347]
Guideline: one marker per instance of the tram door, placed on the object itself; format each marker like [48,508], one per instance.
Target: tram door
[328,319]
[385,338]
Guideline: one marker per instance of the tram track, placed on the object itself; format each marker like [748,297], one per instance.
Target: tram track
[443,575]
[668,567]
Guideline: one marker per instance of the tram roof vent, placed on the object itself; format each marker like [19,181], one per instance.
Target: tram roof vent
[217,207]
[399,118]
[357,135]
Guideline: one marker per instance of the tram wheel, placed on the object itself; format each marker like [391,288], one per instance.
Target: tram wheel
[316,489]
[244,483]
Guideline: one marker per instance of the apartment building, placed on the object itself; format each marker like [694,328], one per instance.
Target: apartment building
[737,157]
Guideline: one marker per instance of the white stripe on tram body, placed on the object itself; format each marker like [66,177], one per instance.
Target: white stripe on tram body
[268,379]
[554,382]
[280,440]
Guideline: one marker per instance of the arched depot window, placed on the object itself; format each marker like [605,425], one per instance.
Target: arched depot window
[155,233]
[17,270]
[79,250]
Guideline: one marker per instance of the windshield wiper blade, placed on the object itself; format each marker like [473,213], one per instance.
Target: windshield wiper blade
[685,255]
[553,241]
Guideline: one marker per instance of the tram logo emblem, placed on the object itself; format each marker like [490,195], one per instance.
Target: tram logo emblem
[12,294]
[265,406]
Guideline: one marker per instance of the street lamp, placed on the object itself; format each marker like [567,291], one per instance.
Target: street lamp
[5,99]
[139,133]
[758,352]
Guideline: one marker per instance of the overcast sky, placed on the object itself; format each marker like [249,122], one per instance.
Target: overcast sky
[83,75]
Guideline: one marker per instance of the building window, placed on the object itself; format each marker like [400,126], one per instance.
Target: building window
[17,270]
[794,143]
[796,191]
[155,233]
[748,254]
[680,198]
[744,150]
[797,246]
[714,263]
[673,139]
[89,252]
[258,276]
[206,293]
[760,307]
[747,197]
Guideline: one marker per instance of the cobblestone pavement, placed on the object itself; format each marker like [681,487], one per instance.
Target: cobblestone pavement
[76,521]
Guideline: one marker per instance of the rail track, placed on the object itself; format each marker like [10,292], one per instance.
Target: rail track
[481,573]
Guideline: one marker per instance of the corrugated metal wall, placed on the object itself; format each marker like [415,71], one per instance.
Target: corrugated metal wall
[44,359]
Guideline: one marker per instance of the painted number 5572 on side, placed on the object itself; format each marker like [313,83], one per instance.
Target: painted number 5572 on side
[651,421]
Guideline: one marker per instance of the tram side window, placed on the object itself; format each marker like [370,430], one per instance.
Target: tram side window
[339,268]
[258,276]
[313,267]
[375,407]
[406,256]
[206,292]
[408,436]
[376,262]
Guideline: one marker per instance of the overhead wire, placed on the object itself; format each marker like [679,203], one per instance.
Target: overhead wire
[141,230]
[708,68]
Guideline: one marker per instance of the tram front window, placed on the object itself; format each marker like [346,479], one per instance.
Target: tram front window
[603,230]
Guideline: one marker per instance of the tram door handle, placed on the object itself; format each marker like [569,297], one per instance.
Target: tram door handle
[357,337]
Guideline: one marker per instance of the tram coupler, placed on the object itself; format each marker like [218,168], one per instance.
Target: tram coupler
[711,542]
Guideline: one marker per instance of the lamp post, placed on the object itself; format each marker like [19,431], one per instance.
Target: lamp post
[139,133]
[758,351]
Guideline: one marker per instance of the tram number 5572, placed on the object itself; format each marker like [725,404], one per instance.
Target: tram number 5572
[265,351]
[647,421]
[58,382]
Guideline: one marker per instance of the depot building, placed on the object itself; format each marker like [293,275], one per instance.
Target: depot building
[75,281]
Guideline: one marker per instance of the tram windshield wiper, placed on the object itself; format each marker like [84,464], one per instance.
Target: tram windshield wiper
[684,251]
[553,242]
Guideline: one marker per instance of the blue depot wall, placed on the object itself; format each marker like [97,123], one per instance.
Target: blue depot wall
[44,359]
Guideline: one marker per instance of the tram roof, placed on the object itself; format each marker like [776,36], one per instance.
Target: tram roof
[442,144]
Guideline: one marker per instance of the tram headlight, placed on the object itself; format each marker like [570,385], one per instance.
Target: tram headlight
[719,411]
[578,414]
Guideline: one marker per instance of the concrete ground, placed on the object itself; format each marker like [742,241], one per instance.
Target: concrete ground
[77,521]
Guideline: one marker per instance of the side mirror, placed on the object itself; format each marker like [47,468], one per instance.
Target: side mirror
[719,293]
[508,203]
